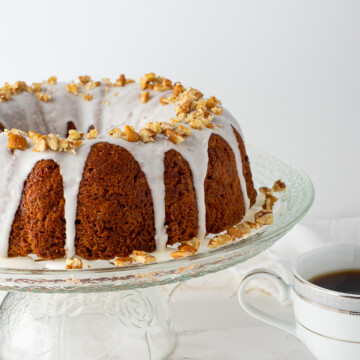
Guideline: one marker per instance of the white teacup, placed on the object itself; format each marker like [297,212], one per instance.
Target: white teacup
[328,322]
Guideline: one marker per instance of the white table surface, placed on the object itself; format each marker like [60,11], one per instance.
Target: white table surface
[219,329]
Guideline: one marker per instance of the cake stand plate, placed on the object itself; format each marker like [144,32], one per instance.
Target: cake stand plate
[119,313]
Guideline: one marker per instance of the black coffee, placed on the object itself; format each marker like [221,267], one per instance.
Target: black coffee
[344,281]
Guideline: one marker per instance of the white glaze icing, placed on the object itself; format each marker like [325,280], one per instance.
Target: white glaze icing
[26,112]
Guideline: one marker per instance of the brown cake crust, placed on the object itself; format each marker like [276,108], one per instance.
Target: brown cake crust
[115,212]
[39,224]
[180,199]
[223,195]
[246,169]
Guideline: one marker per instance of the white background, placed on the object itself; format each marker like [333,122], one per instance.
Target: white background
[288,70]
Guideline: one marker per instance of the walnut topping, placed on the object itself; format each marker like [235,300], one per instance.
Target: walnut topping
[40,145]
[279,186]
[72,88]
[217,110]
[74,263]
[84,79]
[92,84]
[159,127]
[52,80]
[121,81]
[195,243]
[264,217]
[75,135]
[130,134]
[264,190]
[212,102]
[188,248]
[174,136]
[144,96]
[183,130]
[16,141]
[269,202]
[87,97]
[147,135]
[92,134]
[180,254]
[116,133]
[220,241]
[43,97]
[123,261]
[53,142]
[158,83]
[142,257]
[178,89]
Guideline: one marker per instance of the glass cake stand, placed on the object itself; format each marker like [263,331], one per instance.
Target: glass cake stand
[119,313]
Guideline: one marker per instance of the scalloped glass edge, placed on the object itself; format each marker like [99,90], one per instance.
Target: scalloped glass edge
[295,203]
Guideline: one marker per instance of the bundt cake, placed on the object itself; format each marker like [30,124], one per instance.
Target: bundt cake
[100,169]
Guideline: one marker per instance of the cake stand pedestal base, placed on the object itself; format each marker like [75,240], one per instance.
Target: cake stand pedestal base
[128,324]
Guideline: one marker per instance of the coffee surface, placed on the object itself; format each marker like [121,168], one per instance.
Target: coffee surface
[344,281]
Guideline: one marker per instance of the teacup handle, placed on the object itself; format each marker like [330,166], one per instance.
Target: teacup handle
[284,294]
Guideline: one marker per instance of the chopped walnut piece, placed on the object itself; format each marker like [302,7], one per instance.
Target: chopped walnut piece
[197,124]
[14,131]
[72,88]
[121,81]
[269,202]
[75,135]
[150,77]
[142,257]
[212,102]
[164,101]
[92,134]
[236,232]
[116,133]
[264,190]
[130,134]
[183,130]
[217,110]
[74,263]
[147,135]
[254,225]
[123,261]
[144,96]
[194,242]
[43,97]
[180,254]
[52,80]
[143,83]
[220,241]
[164,85]
[159,127]
[264,217]
[279,186]
[178,89]
[16,141]
[92,85]
[84,79]
[174,136]
[53,142]
[210,126]
[129,81]
[187,248]
[88,97]
[40,145]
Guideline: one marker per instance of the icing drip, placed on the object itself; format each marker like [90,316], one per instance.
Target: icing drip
[105,111]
